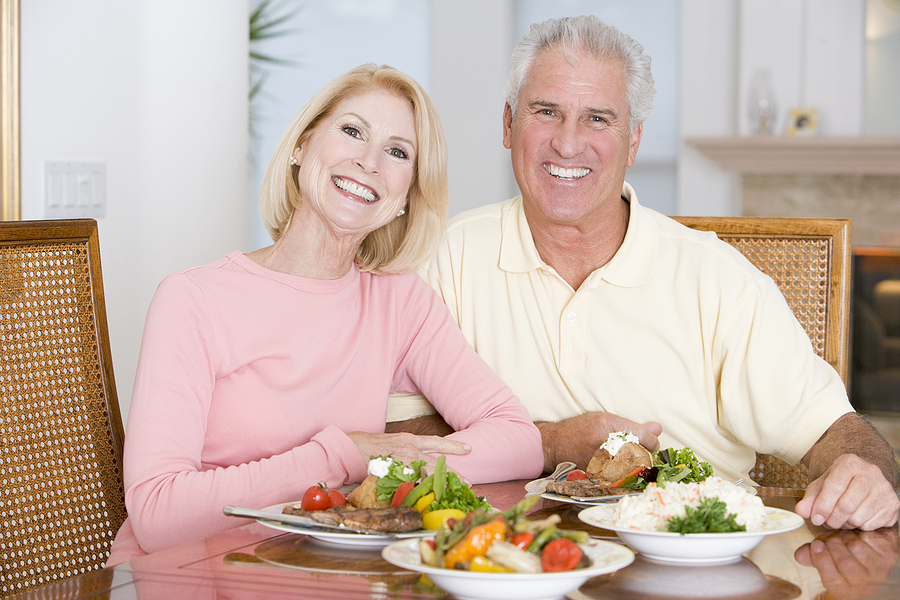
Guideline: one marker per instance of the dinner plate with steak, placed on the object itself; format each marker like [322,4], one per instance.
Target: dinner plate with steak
[348,525]
[620,467]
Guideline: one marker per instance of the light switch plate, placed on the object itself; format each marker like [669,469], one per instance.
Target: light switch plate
[74,189]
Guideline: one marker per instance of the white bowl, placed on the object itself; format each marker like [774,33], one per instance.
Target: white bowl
[693,548]
[606,557]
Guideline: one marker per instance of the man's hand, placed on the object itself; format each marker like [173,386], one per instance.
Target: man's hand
[854,477]
[406,447]
[851,494]
[852,564]
[577,438]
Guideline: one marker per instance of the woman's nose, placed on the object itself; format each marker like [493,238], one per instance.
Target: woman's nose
[368,158]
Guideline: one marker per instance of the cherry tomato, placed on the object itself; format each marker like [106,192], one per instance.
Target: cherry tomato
[522,540]
[576,475]
[560,555]
[337,498]
[401,492]
[315,498]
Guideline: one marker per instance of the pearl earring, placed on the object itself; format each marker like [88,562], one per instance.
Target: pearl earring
[402,212]
[294,161]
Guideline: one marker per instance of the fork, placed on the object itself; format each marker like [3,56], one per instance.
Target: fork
[540,485]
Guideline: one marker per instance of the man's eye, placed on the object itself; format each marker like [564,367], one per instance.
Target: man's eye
[351,131]
[598,119]
[398,153]
[545,111]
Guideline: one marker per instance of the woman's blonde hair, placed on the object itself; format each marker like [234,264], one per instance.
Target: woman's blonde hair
[408,240]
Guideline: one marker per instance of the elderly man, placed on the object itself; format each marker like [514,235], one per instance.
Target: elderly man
[604,315]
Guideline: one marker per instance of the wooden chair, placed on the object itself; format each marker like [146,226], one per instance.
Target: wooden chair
[809,260]
[61,433]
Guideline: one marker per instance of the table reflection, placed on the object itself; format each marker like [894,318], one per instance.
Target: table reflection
[851,564]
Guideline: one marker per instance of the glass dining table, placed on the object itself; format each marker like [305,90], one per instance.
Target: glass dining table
[255,561]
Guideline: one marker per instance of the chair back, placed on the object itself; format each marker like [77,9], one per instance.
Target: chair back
[61,434]
[809,260]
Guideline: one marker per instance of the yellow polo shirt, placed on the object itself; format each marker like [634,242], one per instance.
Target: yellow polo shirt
[678,328]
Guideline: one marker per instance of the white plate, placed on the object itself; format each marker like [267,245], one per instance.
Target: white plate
[336,536]
[606,557]
[531,485]
[693,548]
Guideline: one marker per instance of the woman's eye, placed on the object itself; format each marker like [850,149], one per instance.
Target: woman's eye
[351,131]
[398,153]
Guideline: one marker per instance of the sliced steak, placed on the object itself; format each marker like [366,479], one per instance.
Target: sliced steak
[586,488]
[387,520]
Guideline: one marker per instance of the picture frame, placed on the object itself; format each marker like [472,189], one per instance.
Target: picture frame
[803,122]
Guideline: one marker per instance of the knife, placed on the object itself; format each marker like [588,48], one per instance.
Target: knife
[306,522]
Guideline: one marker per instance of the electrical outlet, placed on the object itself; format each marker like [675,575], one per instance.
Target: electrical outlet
[74,189]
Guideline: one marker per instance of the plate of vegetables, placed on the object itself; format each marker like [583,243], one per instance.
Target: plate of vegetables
[394,502]
[709,522]
[507,556]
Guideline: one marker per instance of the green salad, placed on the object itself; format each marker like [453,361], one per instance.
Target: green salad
[670,465]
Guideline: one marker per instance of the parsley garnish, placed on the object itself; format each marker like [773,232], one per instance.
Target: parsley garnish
[709,517]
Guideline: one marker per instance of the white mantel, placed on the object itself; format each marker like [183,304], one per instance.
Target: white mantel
[825,155]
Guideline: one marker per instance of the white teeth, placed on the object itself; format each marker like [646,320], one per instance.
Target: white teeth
[565,173]
[355,189]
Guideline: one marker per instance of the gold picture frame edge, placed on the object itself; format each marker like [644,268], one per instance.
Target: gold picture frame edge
[10,144]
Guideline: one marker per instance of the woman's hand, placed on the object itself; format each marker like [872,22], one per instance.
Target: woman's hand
[406,447]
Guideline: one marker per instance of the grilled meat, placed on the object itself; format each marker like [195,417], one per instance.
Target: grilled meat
[586,488]
[388,520]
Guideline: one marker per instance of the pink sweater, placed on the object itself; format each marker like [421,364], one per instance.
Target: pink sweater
[248,379]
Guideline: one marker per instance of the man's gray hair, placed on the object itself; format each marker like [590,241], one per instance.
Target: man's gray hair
[604,42]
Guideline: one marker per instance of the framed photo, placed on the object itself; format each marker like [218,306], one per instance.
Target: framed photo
[803,122]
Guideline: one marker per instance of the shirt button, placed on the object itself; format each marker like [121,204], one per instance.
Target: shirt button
[571,317]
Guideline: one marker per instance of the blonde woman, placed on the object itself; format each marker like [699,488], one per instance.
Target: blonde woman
[265,373]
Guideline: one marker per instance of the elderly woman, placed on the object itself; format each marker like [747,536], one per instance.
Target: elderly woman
[265,373]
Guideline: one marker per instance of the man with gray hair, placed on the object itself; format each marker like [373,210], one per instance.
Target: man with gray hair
[604,315]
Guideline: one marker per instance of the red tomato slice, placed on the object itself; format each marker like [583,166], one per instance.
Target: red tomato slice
[576,475]
[560,555]
[401,492]
[315,498]
[522,540]
[337,498]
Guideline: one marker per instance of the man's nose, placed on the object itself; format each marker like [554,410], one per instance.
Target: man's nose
[568,139]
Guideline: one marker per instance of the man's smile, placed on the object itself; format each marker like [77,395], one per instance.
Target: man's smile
[561,173]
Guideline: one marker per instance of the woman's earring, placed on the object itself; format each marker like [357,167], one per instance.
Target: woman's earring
[294,161]
[402,212]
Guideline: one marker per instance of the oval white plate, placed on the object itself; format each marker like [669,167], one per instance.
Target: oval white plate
[336,536]
[531,486]
[692,548]
[606,557]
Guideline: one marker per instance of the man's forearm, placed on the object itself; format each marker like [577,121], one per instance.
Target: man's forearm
[852,434]
[427,425]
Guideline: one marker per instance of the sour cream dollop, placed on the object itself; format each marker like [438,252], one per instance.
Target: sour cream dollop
[616,440]
[379,466]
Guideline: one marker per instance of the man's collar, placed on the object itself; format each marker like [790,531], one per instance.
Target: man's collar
[630,267]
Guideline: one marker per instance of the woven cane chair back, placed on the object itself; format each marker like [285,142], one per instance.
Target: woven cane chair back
[809,260]
[61,431]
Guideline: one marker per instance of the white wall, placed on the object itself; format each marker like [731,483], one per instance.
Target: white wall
[469,62]
[156,89]
[707,100]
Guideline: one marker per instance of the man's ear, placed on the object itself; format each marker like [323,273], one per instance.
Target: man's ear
[507,126]
[634,143]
